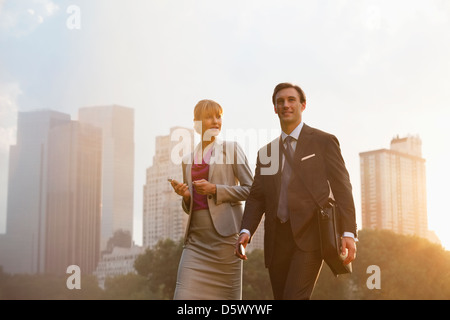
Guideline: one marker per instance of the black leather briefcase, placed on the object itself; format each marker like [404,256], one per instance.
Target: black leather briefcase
[330,239]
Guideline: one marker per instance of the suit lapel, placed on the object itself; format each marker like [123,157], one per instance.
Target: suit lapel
[302,143]
[189,166]
[217,152]
[188,174]
[277,177]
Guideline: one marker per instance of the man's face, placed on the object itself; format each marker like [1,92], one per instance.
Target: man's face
[288,106]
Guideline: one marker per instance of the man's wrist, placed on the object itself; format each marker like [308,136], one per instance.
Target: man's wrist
[245,231]
[349,235]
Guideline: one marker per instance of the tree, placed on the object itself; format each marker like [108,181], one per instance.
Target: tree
[128,287]
[160,266]
[121,238]
[411,268]
[256,282]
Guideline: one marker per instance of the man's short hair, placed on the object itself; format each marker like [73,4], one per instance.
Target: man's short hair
[285,85]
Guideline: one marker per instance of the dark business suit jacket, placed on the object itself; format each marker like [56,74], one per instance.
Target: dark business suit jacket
[319,161]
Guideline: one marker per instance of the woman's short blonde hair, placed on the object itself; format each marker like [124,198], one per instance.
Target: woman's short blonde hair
[206,107]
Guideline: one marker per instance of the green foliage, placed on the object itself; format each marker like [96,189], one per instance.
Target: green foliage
[411,268]
[121,238]
[160,266]
[128,287]
[255,280]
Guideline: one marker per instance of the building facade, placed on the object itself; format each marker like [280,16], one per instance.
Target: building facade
[54,195]
[163,216]
[23,247]
[119,262]
[393,188]
[73,211]
[118,149]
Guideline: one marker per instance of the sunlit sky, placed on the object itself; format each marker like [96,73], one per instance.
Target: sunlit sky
[371,70]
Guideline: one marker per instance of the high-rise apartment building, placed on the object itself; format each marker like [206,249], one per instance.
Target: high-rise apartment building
[393,188]
[117,124]
[163,216]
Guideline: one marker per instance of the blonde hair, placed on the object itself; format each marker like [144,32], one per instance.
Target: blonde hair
[206,107]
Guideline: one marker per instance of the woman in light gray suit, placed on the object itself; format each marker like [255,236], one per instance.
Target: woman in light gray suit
[216,179]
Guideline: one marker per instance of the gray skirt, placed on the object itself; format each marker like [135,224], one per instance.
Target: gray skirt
[208,268]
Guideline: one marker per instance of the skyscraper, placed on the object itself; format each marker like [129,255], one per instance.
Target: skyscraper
[73,198]
[117,124]
[24,241]
[393,188]
[163,216]
[53,208]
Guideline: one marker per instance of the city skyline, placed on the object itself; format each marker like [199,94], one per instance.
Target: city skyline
[370,71]
[182,140]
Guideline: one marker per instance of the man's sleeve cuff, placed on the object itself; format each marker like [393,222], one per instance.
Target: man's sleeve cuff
[245,231]
[350,235]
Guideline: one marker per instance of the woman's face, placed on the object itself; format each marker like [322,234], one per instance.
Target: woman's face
[211,125]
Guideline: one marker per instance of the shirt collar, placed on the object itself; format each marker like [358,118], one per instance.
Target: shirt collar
[295,133]
[207,153]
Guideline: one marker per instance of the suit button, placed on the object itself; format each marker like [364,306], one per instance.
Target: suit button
[210,197]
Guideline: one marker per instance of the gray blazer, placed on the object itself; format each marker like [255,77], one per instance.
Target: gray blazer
[230,172]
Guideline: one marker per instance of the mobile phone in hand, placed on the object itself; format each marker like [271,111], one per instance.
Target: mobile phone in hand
[242,249]
[173,180]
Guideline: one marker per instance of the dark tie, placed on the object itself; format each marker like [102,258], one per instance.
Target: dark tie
[283,212]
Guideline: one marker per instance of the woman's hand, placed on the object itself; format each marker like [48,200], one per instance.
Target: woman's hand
[204,187]
[182,190]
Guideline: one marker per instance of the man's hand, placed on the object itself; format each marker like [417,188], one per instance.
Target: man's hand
[243,239]
[349,243]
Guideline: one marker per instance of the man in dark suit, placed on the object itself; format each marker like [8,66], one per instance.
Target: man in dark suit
[291,239]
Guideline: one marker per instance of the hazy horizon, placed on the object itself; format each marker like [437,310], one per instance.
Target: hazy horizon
[371,70]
